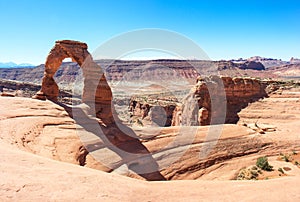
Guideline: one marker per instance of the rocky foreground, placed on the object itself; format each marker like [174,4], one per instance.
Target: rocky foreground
[35,133]
[28,177]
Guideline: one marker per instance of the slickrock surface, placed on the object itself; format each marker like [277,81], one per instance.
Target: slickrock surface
[281,111]
[27,177]
[44,128]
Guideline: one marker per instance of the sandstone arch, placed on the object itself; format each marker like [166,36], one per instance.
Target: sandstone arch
[96,91]
[98,95]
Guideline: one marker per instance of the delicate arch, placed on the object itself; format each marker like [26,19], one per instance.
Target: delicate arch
[97,94]
[96,91]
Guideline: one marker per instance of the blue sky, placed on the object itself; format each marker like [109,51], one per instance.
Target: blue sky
[223,29]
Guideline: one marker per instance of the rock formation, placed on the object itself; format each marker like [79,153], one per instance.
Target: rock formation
[294,61]
[29,177]
[217,100]
[213,100]
[44,128]
[97,114]
[158,113]
[252,65]
[96,92]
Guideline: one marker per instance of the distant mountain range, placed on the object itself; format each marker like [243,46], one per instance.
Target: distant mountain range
[268,62]
[157,70]
[14,65]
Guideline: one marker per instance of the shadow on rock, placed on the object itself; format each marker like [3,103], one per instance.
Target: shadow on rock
[118,138]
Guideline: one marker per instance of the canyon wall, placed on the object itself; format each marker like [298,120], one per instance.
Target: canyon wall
[213,100]
[217,100]
[116,70]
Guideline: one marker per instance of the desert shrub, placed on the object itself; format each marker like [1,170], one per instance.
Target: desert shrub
[286,158]
[281,170]
[297,163]
[254,174]
[249,174]
[262,162]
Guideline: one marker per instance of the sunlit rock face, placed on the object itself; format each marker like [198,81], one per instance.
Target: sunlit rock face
[96,91]
[217,100]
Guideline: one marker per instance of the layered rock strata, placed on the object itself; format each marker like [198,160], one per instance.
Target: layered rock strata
[213,100]
[217,100]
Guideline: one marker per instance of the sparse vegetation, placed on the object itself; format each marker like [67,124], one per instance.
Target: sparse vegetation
[252,173]
[248,174]
[286,157]
[281,170]
[262,162]
[292,157]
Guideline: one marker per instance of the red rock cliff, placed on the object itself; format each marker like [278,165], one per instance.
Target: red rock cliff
[217,100]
